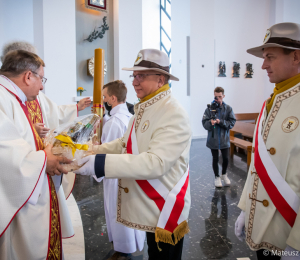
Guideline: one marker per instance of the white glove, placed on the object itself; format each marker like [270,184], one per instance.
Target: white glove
[98,179]
[89,165]
[290,254]
[240,227]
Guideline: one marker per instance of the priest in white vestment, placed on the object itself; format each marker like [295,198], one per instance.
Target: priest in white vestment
[30,226]
[125,240]
[47,115]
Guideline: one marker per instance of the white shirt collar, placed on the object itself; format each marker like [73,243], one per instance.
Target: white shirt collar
[20,93]
[121,108]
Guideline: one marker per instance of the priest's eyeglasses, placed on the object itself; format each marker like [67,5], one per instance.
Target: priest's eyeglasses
[44,80]
[140,77]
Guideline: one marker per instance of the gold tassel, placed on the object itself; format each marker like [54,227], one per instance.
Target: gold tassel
[165,236]
[180,231]
[159,249]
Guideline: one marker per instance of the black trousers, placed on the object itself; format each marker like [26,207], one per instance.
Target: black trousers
[215,162]
[263,254]
[168,252]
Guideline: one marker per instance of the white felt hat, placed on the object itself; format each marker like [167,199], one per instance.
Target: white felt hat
[283,35]
[152,59]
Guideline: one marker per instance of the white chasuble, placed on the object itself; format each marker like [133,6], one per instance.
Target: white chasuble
[27,230]
[43,110]
[125,240]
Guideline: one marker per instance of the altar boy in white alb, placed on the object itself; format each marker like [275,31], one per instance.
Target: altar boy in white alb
[270,199]
[151,160]
[125,240]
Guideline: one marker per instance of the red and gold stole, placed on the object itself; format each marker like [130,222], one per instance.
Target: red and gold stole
[34,115]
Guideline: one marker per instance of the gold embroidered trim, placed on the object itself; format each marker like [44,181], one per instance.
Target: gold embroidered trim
[35,116]
[149,103]
[54,252]
[270,121]
[127,223]
[34,111]
[275,109]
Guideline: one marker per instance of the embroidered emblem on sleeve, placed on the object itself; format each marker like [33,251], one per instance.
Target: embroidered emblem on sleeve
[290,124]
[145,126]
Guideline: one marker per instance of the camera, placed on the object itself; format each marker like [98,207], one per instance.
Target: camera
[213,111]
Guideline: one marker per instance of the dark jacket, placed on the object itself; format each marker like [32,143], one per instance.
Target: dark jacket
[221,138]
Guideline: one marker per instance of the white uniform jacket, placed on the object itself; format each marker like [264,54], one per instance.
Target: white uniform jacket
[125,240]
[163,138]
[265,227]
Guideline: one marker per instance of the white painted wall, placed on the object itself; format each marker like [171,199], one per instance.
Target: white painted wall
[14,25]
[202,52]
[291,10]
[232,38]
[60,50]
[128,34]
[223,31]
[180,31]
[50,26]
[151,24]
[86,21]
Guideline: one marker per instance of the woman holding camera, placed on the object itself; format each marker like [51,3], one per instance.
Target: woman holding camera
[218,119]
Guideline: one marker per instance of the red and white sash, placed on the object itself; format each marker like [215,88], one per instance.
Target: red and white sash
[170,203]
[283,197]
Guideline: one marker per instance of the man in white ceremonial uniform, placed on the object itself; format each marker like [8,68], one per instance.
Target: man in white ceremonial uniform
[30,224]
[270,199]
[125,240]
[151,160]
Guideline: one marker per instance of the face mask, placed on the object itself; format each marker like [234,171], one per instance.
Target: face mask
[107,107]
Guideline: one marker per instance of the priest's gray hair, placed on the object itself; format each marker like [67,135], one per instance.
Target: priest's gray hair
[18,45]
[19,61]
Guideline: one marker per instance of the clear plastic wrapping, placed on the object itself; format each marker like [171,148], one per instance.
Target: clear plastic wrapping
[74,140]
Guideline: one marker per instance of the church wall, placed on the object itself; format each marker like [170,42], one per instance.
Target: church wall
[50,26]
[151,24]
[128,40]
[59,36]
[180,31]
[236,30]
[223,31]
[16,21]
[291,11]
[86,21]
[202,53]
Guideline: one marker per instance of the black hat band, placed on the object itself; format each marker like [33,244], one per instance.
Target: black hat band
[284,41]
[152,65]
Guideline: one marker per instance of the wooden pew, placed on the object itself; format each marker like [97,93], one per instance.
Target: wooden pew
[247,117]
[247,130]
[237,142]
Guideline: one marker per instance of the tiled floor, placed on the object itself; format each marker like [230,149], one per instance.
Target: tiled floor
[212,216]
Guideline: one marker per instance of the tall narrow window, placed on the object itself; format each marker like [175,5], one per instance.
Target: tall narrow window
[165,27]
